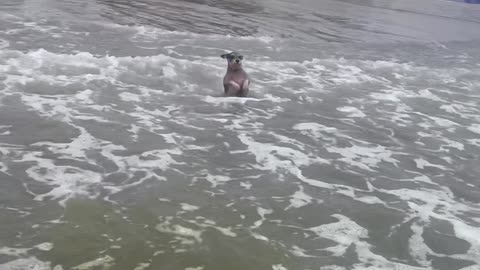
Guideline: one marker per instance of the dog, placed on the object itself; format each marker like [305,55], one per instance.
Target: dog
[236,81]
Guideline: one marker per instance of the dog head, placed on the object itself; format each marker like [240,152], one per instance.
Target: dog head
[234,60]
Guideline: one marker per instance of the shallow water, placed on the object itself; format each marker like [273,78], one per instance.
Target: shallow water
[357,149]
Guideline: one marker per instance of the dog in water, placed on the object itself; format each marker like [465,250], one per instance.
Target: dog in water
[235,81]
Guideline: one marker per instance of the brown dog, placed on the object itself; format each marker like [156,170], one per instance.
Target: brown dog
[235,81]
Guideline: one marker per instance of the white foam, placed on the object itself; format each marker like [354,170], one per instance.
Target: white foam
[364,157]
[388,96]
[104,262]
[85,96]
[261,212]
[426,93]
[260,237]
[72,181]
[332,267]
[440,204]
[38,27]
[158,252]
[352,111]
[129,97]
[142,266]
[475,142]
[267,158]
[422,163]
[417,247]
[372,261]
[344,232]
[348,74]
[367,199]
[278,267]
[474,128]
[153,33]
[389,65]
[453,144]
[134,129]
[300,252]
[458,109]
[299,199]
[472,267]
[169,71]
[26,263]
[443,122]
[223,100]
[4,44]
[77,148]
[147,117]
[5,132]
[225,231]
[214,180]
[45,246]
[149,160]
[314,130]
[189,207]
[37,66]
[275,99]
[16,252]
[246,185]
[423,178]
[176,229]
[67,179]
[470,234]
[195,268]
[190,234]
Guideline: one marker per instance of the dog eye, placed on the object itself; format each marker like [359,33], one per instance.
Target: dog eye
[240,57]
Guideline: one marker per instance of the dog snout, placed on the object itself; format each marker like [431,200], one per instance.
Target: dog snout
[237,61]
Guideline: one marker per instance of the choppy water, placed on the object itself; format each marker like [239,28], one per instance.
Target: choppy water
[359,147]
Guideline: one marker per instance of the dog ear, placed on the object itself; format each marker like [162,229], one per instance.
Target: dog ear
[223,56]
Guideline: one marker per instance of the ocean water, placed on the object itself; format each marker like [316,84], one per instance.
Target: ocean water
[358,148]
